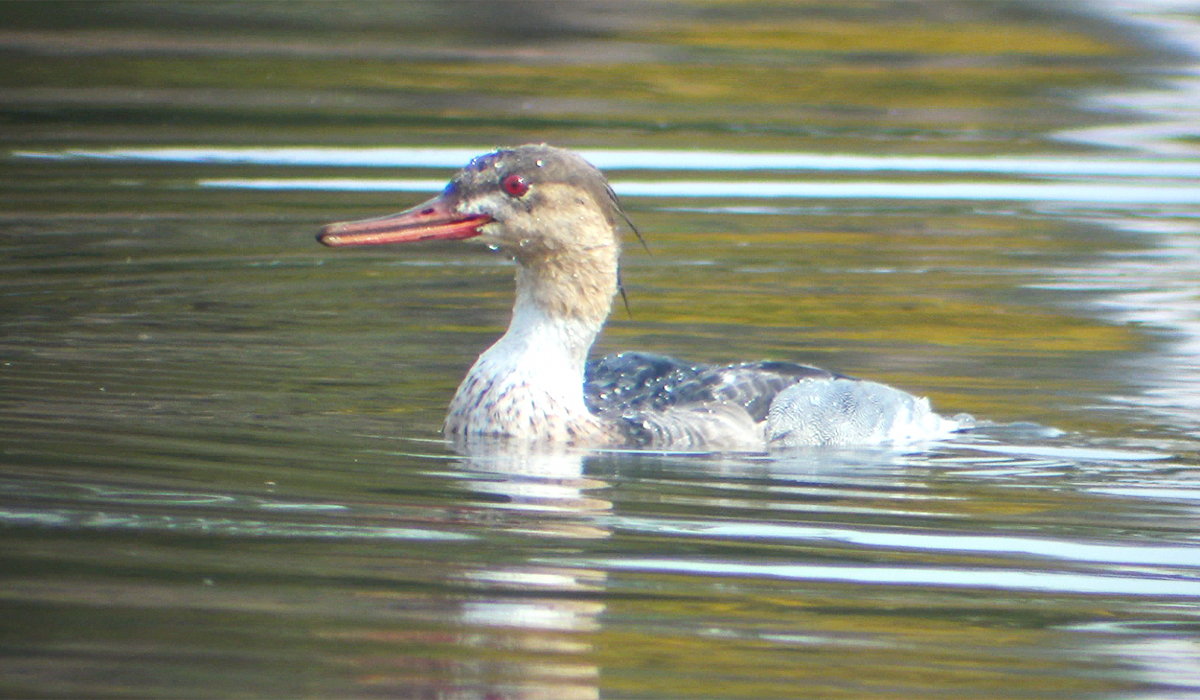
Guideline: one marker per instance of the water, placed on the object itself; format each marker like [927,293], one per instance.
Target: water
[222,472]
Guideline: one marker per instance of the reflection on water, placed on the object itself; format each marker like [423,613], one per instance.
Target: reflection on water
[222,472]
[707,552]
[1135,191]
[1166,587]
[533,601]
[611,160]
[1090,194]
[1162,121]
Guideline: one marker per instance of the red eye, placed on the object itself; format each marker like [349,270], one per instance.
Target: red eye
[515,185]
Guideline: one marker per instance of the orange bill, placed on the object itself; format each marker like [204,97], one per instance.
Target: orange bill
[429,221]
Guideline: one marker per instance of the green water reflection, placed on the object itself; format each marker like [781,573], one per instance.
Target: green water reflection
[913,76]
[221,470]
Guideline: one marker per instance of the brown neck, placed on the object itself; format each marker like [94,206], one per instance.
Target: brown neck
[574,285]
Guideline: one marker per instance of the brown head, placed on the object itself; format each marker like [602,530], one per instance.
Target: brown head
[547,207]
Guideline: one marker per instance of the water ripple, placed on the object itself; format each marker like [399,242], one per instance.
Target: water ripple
[628,159]
[213,526]
[1125,553]
[973,191]
[987,578]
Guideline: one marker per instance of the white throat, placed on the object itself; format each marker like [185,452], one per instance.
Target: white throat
[530,382]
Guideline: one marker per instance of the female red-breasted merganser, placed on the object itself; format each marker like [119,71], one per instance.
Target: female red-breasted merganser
[556,215]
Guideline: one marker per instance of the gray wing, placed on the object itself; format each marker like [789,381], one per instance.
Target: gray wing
[658,400]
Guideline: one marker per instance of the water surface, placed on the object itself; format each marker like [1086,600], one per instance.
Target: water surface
[222,468]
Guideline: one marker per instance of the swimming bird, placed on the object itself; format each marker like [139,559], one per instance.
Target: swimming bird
[556,215]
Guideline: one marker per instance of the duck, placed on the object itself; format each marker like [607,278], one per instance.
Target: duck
[557,217]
